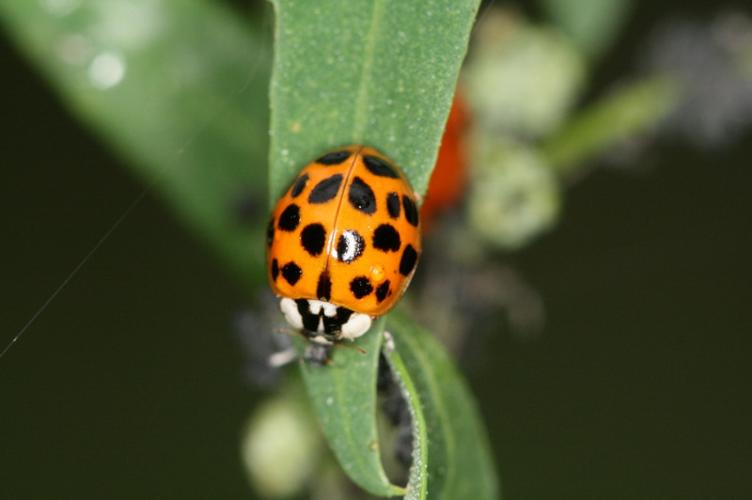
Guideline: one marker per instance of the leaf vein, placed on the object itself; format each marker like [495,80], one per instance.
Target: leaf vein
[361,102]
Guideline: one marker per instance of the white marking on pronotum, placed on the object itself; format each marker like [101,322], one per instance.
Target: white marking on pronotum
[354,327]
[290,309]
[357,325]
[330,310]
[314,306]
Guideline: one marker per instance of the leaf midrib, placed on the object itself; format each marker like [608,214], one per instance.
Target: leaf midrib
[364,468]
[361,101]
[347,416]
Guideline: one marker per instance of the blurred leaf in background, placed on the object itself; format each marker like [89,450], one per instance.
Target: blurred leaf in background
[515,194]
[523,83]
[281,446]
[177,88]
[521,79]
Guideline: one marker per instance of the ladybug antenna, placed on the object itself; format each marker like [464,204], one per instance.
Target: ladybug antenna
[351,346]
[287,331]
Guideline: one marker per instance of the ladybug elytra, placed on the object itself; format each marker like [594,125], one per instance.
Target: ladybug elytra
[343,243]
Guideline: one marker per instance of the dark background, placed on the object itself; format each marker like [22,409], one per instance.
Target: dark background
[130,385]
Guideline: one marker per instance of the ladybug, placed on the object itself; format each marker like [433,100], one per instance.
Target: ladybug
[343,243]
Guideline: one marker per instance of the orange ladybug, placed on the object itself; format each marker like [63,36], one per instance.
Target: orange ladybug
[343,243]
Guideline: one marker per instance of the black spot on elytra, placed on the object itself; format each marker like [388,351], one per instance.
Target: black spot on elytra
[270,232]
[379,167]
[291,272]
[408,260]
[324,286]
[350,246]
[382,291]
[361,287]
[361,196]
[393,205]
[290,218]
[299,185]
[312,237]
[334,158]
[411,211]
[275,269]
[386,238]
[325,190]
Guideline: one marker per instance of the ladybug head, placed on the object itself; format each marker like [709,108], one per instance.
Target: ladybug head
[324,322]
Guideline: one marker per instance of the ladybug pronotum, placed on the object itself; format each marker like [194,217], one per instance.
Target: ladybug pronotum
[343,243]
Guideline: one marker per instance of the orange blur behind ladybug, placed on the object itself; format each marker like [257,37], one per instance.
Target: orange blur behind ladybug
[449,177]
[343,242]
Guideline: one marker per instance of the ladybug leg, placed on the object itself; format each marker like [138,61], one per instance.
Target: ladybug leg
[282,358]
[317,352]
[351,346]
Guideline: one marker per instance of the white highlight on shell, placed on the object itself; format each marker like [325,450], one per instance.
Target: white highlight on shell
[106,70]
[290,309]
[351,247]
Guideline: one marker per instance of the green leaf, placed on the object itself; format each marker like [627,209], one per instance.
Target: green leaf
[457,456]
[343,394]
[380,73]
[628,111]
[374,72]
[417,484]
[455,462]
[178,89]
